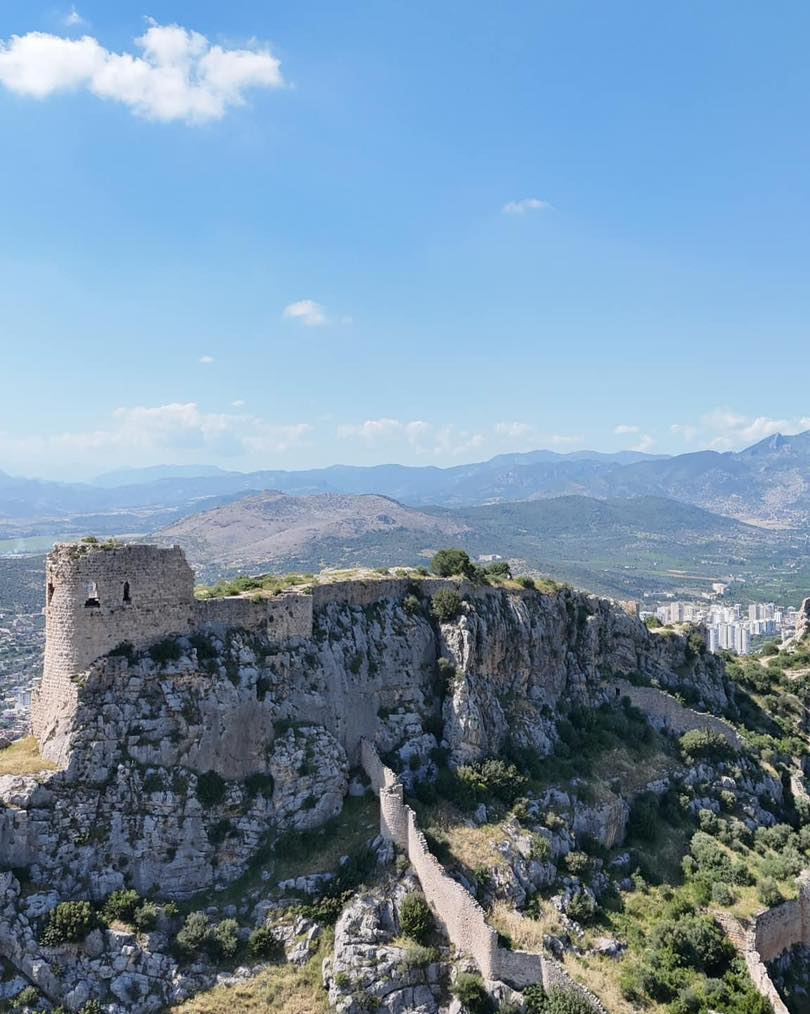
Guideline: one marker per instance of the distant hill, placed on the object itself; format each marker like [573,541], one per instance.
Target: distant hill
[621,546]
[271,531]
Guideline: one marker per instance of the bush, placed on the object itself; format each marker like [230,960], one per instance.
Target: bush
[722,894]
[146,916]
[194,934]
[698,744]
[534,999]
[211,788]
[445,605]
[415,917]
[577,863]
[448,562]
[223,939]
[583,907]
[566,1001]
[69,922]
[491,778]
[28,997]
[768,892]
[168,650]
[500,568]
[263,943]
[120,906]
[469,990]
[259,784]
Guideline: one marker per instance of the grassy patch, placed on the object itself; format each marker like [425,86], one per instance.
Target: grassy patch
[283,988]
[23,758]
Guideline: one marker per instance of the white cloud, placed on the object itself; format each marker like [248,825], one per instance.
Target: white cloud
[723,429]
[524,205]
[73,19]
[423,437]
[645,443]
[142,434]
[309,312]
[239,403]
[623,429]
[529,436]
[179,76]
[207,360]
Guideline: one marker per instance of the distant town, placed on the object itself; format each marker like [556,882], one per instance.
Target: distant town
[732,627]
[22,641]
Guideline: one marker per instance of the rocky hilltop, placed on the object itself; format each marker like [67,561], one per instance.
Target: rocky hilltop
[185,758]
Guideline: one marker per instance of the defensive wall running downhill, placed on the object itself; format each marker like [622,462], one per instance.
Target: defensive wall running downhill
[666,710]
[462,917]
[771,933]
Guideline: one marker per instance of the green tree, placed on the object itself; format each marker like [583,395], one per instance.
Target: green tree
[451,562]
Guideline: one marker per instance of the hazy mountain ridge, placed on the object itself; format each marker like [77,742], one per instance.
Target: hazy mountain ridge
[767,483]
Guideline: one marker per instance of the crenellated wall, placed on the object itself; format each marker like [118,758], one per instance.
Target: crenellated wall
[461,915]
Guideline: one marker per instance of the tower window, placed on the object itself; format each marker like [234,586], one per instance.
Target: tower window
[50,593]
[91,601]
[127,596]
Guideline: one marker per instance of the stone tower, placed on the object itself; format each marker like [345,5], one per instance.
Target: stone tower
[96,597]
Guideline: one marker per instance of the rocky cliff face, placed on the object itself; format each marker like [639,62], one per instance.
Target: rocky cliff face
[181,761]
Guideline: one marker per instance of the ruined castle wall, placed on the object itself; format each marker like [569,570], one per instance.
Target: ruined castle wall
[462,917]
[95,599]
[279,618]
[667,710]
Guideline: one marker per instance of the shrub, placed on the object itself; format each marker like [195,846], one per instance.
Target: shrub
[500,568]
[223,939]
[418,956]
[120,906]
[469,990]
[69,922]
[698,941]
[146,916]
[534,999]
[445,605]
[566,1001]
[28,997]
[698,744]
[722,893]
[211,788]
[525,582]
[168,650]
[768,892]
[411,605]
[491,778]
[448,562]
[652,622]
[577,863]
[191,938]
[263,943]
[415,917]
[583,907]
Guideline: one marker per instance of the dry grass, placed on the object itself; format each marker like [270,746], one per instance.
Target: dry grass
[470,845]
[526,934]
[284,989]
[600,976]
[23,758]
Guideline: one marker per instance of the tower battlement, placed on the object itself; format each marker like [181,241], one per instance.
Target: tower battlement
[98,595]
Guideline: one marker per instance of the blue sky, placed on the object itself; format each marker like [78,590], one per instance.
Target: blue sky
[405,231]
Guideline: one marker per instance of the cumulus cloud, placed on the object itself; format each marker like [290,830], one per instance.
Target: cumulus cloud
[623,428]
[724,429]
[525,205]
[424,437]
[527,435]
[307,311]
[207,360]
[178,75]
[143,433]
[645,443]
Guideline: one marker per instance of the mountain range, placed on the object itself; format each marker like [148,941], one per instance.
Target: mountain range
[766,484]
